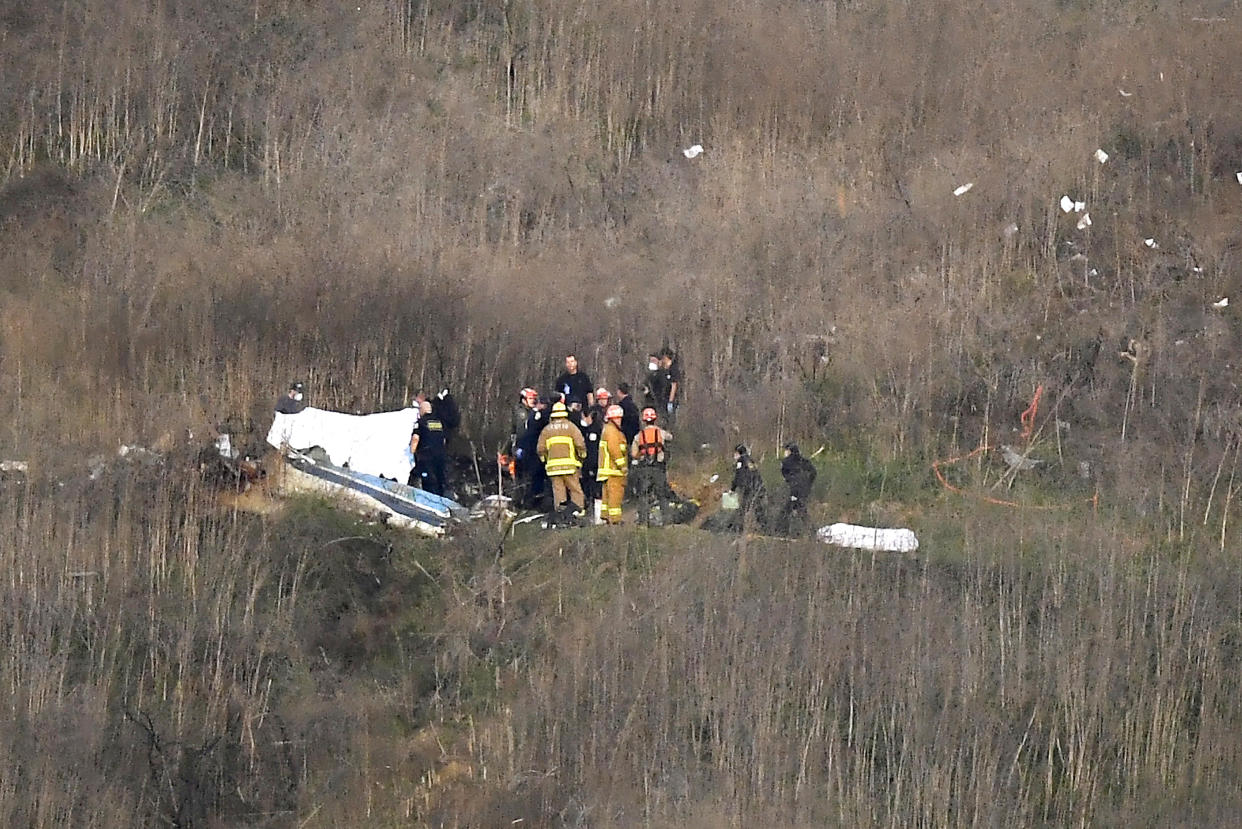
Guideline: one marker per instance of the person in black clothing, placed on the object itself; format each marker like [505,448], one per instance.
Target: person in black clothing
[655,388]
[591,423]
[292,402]
[631,424]
[799,474]
[670,382]
[427,445]
[530,470]
[445,408]
[575,386]
[748,484]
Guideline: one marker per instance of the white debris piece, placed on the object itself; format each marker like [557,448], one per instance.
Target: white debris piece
[1067,204]
[1124,94]
[1085,221]
[1015,460]
[1101,156]
[693,152]
[611,302]
[869,538]
[1223,302]
[1010,229]
[1152,243]
[14,466]
[1240,177]
[964,189]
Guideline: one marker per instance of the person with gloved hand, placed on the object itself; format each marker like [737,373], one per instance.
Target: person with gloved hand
[799,474]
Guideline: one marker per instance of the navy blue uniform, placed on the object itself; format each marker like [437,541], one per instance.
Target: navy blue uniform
[431,457]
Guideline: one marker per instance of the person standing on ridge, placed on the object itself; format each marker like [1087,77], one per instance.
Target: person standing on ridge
[528,422]
[670,380]
[655,388]
[799,474]
[591,424]
[575,386]
[749,487]
[612,465]
[562,449]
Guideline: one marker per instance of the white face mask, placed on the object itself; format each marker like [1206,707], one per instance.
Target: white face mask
[297,395]
[652,366]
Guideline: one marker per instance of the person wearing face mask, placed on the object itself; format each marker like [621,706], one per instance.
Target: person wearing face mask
[292,401]
[655,387]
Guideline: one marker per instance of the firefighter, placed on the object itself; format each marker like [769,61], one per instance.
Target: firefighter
[612,465]
[562,449]
[650,472]
[799,474]
[748,485]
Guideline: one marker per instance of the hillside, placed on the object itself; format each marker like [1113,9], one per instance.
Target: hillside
[199,202]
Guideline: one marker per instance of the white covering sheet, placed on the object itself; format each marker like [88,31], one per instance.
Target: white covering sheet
[376,444]
[869,538]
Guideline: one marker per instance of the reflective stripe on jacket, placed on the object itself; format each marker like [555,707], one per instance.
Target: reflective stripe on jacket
[561,447]
[612,462]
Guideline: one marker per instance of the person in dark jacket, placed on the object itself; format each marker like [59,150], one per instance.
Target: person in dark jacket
[590,423]
[631,422]
[529,422]
[445,408]
[575,386]
[292,401]
[799,474]
[749,487]
[428,446]
[655,387]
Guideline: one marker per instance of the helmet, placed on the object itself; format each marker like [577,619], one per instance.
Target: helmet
[559,410]
[649,415]
[529,395]
[602,394]
[614,412]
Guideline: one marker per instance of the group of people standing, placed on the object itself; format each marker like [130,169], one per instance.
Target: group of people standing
[587,445]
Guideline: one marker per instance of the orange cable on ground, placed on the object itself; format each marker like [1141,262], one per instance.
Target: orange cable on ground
[1094,500]
[1027,418]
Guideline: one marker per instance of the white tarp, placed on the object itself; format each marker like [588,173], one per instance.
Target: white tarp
[375,444]
[869,538]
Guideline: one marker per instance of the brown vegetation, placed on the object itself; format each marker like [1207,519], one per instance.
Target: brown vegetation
[201,200]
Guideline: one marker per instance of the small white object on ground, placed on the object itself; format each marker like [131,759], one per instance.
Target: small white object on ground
[693,152]
[869,538]
[611,302]
[1152,243]
[1010,229]
[1085,221]
[1124,94]
[1101,156]
[1223,302]
[14,466]
[1017,461]
[713,479]
[1240,177]
[1067,204]
[964,189]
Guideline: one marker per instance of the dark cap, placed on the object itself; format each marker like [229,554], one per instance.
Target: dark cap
[296,385]
[741,449]
[792,448]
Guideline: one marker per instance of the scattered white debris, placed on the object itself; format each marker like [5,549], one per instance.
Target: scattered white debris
[1223,302]
[1010,229]
[713,479]
[1085,221]
[1152,243]
[611,302]
[14,466]
[1124,94]
[1067,204]
[693,152]
[1179,342]
[1093,272]
[1017,461]
[224,445]
[1239,177]
[869,538]
[1101,156]
[964,189]
[1196,269]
